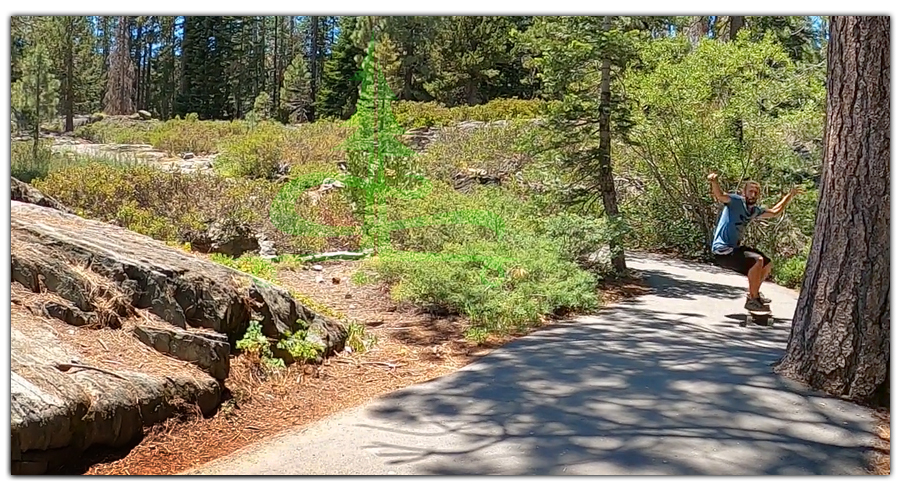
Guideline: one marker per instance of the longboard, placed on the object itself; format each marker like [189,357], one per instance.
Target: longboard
[752,317]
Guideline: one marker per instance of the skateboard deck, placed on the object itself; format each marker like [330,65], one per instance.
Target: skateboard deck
[754,316]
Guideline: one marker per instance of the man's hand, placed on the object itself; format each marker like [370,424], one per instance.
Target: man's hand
[779,207]
[716,189]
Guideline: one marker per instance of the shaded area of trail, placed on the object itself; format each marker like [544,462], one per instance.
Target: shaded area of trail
[666,383]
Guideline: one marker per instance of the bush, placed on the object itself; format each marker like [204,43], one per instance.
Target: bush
[256,154]
[411,114]
[489,148]
[191,135]
[315,143]
[499,286]
[789,272]
[163,205]
[503,270]
[742,109]
[23,164]
[117,131]
[255,344]
[250,264]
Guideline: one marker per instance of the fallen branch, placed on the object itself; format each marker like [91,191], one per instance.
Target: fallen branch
[336,256]
[382,363]
[361,363]
[64,367]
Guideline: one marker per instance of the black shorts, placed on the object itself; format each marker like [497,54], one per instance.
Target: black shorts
[741,259]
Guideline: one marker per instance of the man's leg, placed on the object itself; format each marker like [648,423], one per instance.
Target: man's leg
[758,268]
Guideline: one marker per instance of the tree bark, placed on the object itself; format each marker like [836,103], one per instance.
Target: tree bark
[606,181]
[314,60]
[735,23]
[698,30]
[69,104]
[840,336]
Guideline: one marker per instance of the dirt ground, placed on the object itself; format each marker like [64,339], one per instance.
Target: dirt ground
[881,458]
[410,347]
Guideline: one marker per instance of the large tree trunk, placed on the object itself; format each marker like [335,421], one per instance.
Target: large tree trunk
[606,181]
[840,337]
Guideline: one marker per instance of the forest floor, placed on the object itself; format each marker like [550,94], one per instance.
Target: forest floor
[881,459]
[410,348]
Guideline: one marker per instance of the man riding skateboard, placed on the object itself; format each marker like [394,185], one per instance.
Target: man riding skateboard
[738,210]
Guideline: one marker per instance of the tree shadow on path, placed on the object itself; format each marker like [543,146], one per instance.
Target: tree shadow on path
[633,390]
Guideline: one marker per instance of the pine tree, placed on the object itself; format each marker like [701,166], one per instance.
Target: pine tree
[36,94]
[296,94]
[577,57]
[378,162]
[467,54]
[338,93]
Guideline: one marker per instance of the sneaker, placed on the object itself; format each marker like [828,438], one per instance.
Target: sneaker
[764,299]
[756,305]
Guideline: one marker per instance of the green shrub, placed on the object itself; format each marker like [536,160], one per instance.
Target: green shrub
[412,114]
[789,272]
[163,205]
[358,338]
[315,144]
[297,345]
[255,155]
[251,264]
[494,149]
[23,164]
[116,131]
[499,286]
[741,109]
[577,235]
[256,344]
[193,135]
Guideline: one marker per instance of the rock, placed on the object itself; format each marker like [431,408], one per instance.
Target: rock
[319,279]
[89,261]
[187,156]
[317,267]
[144,115]
[225,237]
[266,247]
[336,280]
[69,314]
[56,415]
[348,295]
[208,350]
[26,193]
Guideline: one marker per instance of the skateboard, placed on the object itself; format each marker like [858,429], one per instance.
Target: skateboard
[753,316]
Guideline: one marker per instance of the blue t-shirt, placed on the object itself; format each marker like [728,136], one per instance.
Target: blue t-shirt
[735,216]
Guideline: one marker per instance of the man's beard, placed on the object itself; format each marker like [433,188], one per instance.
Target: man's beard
[750,202]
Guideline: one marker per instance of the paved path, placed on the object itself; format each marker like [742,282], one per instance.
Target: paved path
[667,383]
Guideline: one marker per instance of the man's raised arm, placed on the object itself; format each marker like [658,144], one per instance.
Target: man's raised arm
[779,207]
[717,192]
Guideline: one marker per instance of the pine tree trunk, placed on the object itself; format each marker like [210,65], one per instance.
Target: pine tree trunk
[274,109]
[735,23]
[605,180]
[36,132]
[698,30]
[840,336]
[69,104]
[314,59]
